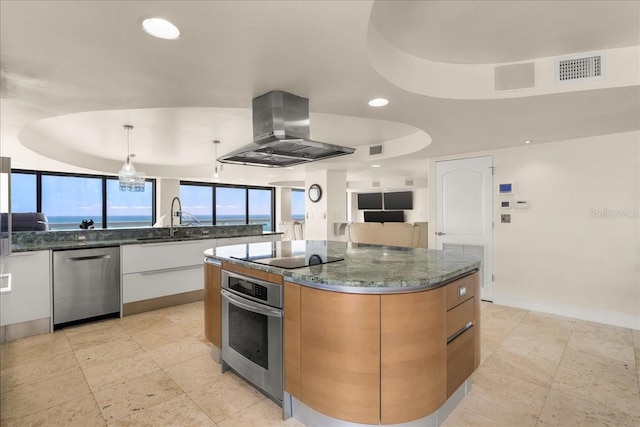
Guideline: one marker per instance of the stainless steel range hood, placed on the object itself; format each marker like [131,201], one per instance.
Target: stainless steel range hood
[281,135]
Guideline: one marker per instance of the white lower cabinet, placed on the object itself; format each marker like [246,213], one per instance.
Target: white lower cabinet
[153,270]
[30,294]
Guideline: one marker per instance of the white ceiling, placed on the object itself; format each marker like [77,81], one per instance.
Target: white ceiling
[74,72]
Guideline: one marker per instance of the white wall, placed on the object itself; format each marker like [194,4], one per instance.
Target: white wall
[321,216]
[575,251]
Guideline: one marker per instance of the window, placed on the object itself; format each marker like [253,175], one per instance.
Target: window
[197,200]
[24,193]
[234,204]
[127,208]
[231,206]
[297,204]
[68,199]
[260,211]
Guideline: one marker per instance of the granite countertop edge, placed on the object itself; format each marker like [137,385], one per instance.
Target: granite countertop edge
[88,244]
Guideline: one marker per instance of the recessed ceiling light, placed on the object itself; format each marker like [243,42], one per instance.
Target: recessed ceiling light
[290,167]
[375,166]
[528,141]
[160,28]
[378,102]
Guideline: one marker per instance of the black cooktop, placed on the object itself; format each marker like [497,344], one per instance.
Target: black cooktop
[291,262]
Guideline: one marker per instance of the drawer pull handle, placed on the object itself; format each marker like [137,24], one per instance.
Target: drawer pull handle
[462,291]
[460,332]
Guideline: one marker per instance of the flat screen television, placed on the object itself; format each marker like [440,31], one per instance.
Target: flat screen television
[398,200]
[384,216]
[369,200]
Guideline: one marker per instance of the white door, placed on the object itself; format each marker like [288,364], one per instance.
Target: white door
[464,211]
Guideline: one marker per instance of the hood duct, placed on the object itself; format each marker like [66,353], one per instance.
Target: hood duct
[281,135]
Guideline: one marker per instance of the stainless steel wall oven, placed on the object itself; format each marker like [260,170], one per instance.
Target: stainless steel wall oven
[252,331]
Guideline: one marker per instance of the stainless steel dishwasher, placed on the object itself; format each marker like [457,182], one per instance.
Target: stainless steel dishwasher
[86,284]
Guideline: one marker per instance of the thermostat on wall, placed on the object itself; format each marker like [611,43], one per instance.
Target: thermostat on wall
[505,188]
[505,204]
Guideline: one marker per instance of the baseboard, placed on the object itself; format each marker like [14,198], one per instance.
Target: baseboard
[162,302]
[25,329]
[599,316]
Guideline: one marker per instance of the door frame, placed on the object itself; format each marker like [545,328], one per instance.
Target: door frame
[487,293]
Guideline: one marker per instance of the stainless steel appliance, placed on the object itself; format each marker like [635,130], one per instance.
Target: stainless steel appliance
[252,332]
[86,284]
[281,135]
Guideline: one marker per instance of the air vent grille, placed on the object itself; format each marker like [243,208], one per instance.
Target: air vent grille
[375,184]
[408,183]
[582,68]
[375,149]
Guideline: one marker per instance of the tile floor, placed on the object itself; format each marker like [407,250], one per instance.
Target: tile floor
[154,369]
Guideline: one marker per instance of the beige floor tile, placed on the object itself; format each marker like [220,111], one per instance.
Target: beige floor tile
[107,352]
[264,413]
[475,411]
[178,352]
[125,399]
[33,348]
[562,409]
[195,373]
[545,327]
[120,370]
[35,397]
[93,334]
[532,345]
[155,338]
[196,330]
[532,369]
[606,381]
[490,340]
[603,340]
[516,395]
[226,396]
[80,412]
[144,322]
[186,314]
[179,411]
[39,370]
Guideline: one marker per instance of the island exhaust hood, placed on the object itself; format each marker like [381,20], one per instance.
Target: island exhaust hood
[281,135]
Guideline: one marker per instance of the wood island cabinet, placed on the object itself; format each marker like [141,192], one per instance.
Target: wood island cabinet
[379,358]
[212,304]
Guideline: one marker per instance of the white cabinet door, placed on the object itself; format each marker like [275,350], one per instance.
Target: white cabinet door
[160,256]
[160,283]
[267,238]
[225,241]
[30,294]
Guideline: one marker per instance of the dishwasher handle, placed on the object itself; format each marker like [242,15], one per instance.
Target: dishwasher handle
[87,258]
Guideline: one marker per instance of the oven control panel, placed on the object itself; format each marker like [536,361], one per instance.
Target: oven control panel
[248,288]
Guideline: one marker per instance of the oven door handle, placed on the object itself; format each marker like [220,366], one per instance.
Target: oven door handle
[249,305]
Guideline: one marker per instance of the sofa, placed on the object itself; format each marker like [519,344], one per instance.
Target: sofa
[410,235]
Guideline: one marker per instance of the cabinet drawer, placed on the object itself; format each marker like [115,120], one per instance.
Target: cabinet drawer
[460,316]
[461,290]
[459,360]
[159,256]
[159,283]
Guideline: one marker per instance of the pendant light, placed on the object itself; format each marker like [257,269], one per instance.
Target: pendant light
[129,178]
[216,171]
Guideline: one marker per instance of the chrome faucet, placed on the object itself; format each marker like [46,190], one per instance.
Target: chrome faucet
[178,212]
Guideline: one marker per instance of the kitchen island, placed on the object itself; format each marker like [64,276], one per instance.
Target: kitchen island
[378,336]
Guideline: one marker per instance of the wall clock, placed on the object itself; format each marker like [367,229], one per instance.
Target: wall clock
[315,193]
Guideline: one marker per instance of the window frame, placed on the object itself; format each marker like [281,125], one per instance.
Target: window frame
[246,188]
[39,174]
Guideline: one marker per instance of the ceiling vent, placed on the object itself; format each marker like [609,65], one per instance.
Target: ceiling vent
[408,183]
[375,184]
[579,68]
[375,149]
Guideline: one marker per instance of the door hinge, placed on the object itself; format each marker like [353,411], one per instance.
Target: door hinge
[492,170]
[493,224]
[493,278]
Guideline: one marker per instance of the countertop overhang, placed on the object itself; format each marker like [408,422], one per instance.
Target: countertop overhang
[365,268]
